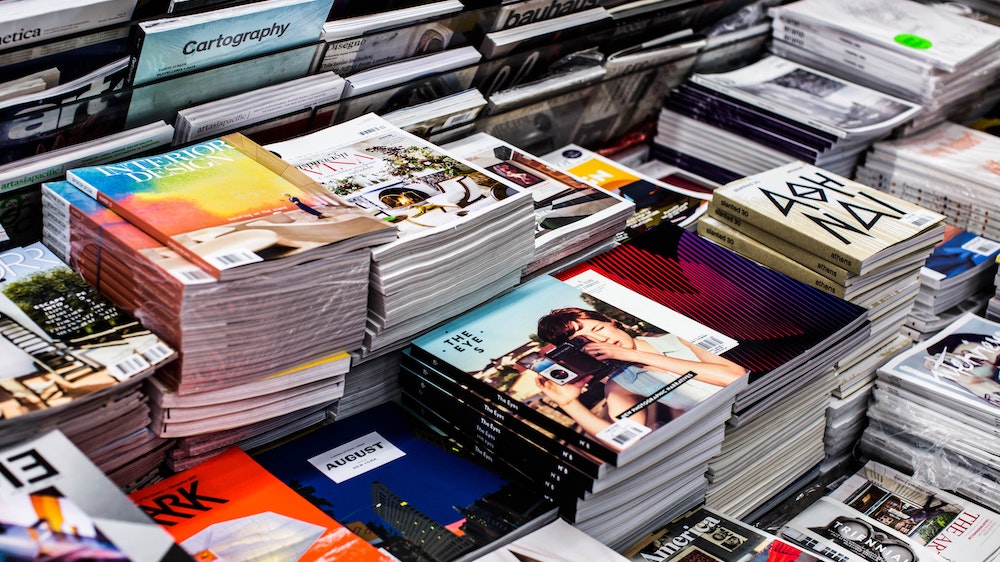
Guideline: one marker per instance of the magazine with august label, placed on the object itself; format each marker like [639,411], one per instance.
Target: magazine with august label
[237,510]
[388,478]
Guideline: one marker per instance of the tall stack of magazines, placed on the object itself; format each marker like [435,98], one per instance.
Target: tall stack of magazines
[928,53]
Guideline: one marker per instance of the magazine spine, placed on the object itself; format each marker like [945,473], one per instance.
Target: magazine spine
[517,407]
[764,255]
[419,382]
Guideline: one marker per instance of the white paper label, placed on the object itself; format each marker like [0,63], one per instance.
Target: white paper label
[356,457]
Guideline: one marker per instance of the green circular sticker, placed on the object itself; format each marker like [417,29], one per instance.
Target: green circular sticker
[912,41]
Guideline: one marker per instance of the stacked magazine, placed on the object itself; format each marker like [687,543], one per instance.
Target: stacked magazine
[949,168]
[879,513]
[74,361]
[572,218]
[959,277]
[463,235]
[558,372]
[731,124]
[940,397]
[238,337]
[928,53]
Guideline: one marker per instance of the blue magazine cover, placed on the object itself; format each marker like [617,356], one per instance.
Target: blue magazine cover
[177,45]
[379,474]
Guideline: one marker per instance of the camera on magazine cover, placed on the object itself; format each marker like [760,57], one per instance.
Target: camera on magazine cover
[572,362]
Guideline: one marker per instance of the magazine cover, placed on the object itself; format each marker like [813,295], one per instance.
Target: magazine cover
[656,202]
[704,535]
[237,510]
[960,255]
[556,542]
[27,23]
[89,107]
[951,148]
[832,529]
[184,199]
[57,505]
[809,96]
[958,529]
[957,365]
[562,203]
[943,38]
[836,218]
[394,174]
[181,44]
[60,340]
[775,319]
[612,372]
[385,477]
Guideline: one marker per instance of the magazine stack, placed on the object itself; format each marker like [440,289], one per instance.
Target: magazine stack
[853,241]
[949,168]
[74,361]
[612,381]
[879,513]
[450,214]
[574,220]
[265,343]
[935,409]
[727,125]
[931,54]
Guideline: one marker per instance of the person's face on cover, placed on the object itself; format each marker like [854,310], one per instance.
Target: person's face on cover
[985,368]
[602,332]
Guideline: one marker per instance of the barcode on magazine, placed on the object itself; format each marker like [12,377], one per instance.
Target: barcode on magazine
[234,259]
[623,433]
[193,275]
[920,218]
[129,367]
[710,343]
[157,352]
[981,246]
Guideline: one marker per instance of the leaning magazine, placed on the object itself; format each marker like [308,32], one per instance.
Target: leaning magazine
[237,510]
[61,341]
[705,535]
[185,200]
[631,378]
[57,505]
[395,175]
[852,225]
[958,529]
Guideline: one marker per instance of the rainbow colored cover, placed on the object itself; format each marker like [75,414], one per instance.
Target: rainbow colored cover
[221,204]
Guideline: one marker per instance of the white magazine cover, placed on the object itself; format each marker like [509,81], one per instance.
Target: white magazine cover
[958,366]
[809,96]
[397,176]
[26,22]
[940,37]
[958,529]
[954,149]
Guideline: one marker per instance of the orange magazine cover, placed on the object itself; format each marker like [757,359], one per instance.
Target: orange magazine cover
[231,508]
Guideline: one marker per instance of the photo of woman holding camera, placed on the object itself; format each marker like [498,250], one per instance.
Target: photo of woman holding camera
[645,366]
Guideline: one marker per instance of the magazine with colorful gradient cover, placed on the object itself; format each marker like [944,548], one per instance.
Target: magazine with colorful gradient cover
[613,373]
[704,535]
[226,204]
[61,342]
[181,44]
[55,504]
[385,476]
[780,323]
[237,510]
